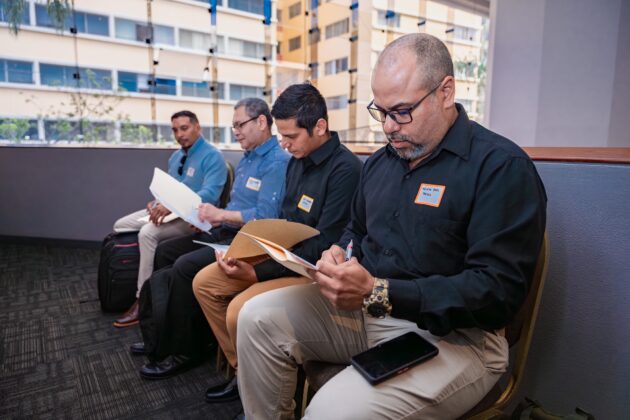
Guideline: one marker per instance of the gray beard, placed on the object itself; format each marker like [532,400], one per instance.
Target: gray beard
[414,152]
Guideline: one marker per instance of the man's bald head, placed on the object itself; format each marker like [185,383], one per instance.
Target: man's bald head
[433,60]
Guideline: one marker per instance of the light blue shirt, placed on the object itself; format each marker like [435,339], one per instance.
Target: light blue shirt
[204,171]
[258,187]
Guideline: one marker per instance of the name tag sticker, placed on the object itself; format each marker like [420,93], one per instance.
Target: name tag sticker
[190,172]
[430,195]
[305,203]
[253,183]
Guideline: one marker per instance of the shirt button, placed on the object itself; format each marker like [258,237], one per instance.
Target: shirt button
[407,176]
[396,213]
[388,252]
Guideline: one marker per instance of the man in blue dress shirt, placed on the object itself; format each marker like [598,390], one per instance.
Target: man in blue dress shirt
[200,166]
[257,193]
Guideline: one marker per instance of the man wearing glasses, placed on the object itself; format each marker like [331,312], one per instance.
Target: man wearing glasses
[256,194]
[200,166]
[447,224]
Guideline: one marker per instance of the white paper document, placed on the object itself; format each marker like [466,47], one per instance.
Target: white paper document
[178,198]
[218,247]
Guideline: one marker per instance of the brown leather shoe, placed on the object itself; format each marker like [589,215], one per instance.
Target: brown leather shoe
[129,318]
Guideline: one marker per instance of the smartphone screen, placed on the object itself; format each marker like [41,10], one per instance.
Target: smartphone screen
[393,357]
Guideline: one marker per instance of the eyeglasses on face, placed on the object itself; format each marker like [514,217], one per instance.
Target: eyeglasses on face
[239,126]
[180,170]
[400,116]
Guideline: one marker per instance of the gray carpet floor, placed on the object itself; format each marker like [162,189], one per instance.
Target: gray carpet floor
[60,356]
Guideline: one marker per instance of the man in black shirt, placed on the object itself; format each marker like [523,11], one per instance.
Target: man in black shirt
[321,179]
[447,224]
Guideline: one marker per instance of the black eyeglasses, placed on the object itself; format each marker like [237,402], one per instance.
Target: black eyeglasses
[180,170]
[400,116]
[239,126]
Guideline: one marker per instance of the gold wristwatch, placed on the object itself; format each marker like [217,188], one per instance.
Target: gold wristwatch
[377,304]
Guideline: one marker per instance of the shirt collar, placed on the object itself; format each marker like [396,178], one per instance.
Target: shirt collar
[458,138]
[264,148]
[196,145]
[325,150]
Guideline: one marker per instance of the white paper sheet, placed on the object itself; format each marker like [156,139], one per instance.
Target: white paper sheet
[178,198]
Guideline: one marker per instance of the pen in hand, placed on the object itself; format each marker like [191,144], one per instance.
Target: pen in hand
[349,250]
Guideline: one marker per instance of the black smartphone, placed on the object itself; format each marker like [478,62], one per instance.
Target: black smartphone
[393,357]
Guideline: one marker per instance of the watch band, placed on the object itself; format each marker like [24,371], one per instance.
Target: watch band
[377,304]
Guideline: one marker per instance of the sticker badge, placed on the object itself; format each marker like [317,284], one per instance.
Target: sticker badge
[190,172]
[430,195]
[253,183]
[305,203]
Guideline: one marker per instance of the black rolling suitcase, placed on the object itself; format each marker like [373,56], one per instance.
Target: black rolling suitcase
[118,271]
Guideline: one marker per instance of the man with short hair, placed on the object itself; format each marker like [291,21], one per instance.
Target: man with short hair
[321,179]
[198,165]
[256,194]
[447,225]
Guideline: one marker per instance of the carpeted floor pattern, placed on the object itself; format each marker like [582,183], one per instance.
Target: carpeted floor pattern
[60,356]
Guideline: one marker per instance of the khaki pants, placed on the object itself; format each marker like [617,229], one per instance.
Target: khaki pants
[216,293]
[283,328]
[149,236]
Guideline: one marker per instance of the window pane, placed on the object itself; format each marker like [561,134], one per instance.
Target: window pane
[127,81]
[163,35]
[125,29]
[294,43]
[19,71]
[252,6]
[208,134]
[97,24]
[337,102]
[165,86]
[4,15]
[52,75]
[96,79]
[41,16]
[295,9]
[198,89]
[18,129]
[238,92]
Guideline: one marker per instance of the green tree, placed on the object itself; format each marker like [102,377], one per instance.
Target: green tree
[14,129]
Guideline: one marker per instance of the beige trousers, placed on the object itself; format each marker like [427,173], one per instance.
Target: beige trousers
[283,328]
[149,236]
[221,299]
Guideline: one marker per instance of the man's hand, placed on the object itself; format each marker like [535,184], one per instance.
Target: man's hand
[211,214]
[236,269]
[157,213]
[343,283]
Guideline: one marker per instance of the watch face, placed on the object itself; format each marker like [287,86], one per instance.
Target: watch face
[377,310]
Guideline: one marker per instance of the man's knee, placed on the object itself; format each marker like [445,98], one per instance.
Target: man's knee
[148,233]
[210,282]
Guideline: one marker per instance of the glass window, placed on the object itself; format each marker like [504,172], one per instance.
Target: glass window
[337,28]
[136,133]
[337,102]
[88,131]
[84,22]
[16,71]
[208,134]
[164,35]
[464,33]
[18,129]
[251,6]
[51,75]
[165,86]
[54,75]
[244,48]
[295,9]
[238,92]
[313,36]
[97,24]
[336,66]
[136,31]
[199,41]
[295,43]
[4,6]
[200,89]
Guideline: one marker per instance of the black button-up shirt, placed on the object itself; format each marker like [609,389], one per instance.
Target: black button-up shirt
[458,236]
[319,189]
